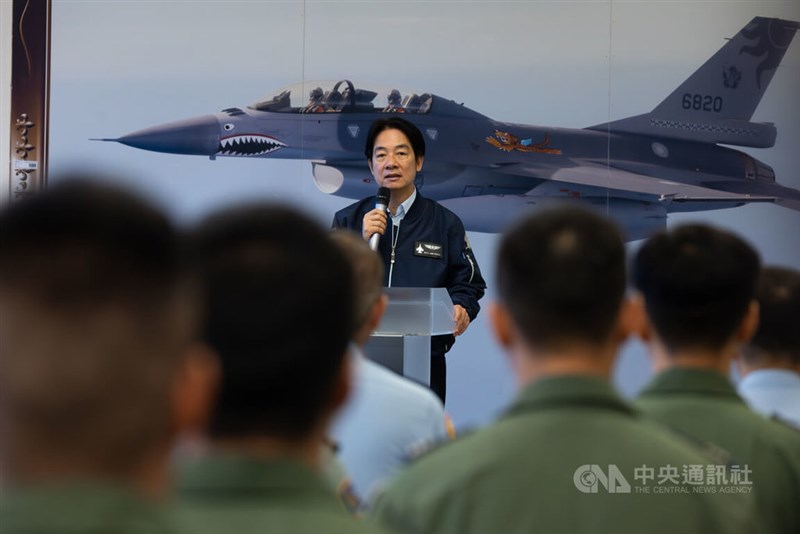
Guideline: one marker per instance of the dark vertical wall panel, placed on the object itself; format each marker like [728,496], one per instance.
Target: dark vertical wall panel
[30,95]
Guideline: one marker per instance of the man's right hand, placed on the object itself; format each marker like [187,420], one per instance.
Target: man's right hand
[374,223]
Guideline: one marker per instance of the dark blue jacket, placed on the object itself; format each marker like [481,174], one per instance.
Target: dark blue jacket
[418,260]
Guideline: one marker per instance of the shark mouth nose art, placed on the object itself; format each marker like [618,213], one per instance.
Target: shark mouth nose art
[248,145]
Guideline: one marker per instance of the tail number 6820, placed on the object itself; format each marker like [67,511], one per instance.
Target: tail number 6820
[702,102]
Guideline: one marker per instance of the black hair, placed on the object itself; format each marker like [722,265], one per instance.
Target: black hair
[561,273]
[79,242]
[396,123]
[280,315]
[778,295]
[697,282]
[368,271]
[97,312]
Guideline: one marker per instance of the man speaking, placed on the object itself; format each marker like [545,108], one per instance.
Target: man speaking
[422,243]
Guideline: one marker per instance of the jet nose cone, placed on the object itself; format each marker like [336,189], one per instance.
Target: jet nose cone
[197,136]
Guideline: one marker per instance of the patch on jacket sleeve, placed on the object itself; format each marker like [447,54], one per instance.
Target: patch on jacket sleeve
[428,250]
[348,497]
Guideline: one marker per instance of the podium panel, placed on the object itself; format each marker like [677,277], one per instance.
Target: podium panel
[402,341]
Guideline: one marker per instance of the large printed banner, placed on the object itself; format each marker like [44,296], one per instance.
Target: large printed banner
[654,113]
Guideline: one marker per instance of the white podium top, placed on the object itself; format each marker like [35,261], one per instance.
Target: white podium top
[417,311]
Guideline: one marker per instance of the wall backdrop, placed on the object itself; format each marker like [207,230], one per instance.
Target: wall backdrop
[119,66]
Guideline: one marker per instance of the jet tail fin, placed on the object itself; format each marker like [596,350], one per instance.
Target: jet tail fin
[715,104]
[736,77]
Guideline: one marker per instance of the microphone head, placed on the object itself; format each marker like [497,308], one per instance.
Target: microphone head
[383,196]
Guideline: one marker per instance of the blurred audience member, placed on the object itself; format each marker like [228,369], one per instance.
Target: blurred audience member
[387,417]
[98,370]
[280,316]
[565,456]
[698,309]
[770,364]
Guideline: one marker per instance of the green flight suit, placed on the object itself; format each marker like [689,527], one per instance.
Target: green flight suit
[79,508]
[242,495]
[528,473]
[704,405]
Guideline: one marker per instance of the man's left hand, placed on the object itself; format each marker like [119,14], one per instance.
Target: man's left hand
[461,319]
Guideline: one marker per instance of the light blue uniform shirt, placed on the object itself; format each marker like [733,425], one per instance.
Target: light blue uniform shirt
[773,392]
[386,418]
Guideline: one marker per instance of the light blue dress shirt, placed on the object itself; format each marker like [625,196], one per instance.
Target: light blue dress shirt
[403,208]
[387,418]
[773,392]
[398,216]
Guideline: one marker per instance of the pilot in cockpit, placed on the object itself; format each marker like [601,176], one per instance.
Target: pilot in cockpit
[394,102]
[315,104]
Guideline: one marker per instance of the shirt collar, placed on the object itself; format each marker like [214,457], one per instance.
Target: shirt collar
[355,351]
[683,380]
[402,209]
[772,377]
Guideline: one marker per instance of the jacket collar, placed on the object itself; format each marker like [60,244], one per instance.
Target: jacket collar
[402,209]
[683,380]
[233,474]
[79,506]
[414,212]
[569,391]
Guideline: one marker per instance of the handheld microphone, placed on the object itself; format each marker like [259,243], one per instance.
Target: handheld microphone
[381,203]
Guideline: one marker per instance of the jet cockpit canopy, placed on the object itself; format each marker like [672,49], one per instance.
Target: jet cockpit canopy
[343,97]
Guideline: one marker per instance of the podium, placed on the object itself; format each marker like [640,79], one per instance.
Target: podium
[402,341]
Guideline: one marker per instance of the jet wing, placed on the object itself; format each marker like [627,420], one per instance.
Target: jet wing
[493,213]
[612,178]
[784,196]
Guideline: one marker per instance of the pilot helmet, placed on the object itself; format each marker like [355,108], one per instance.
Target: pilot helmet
[315,93]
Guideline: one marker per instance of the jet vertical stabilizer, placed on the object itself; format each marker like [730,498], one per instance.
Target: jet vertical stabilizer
[715,104]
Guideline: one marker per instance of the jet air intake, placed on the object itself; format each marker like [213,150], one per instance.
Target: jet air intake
[344,181]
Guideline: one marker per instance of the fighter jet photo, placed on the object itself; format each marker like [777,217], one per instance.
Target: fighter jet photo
[638,169]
